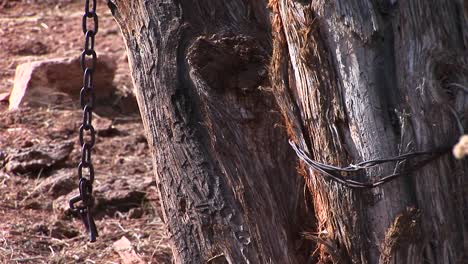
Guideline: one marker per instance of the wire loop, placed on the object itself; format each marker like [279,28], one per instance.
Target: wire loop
[335,173]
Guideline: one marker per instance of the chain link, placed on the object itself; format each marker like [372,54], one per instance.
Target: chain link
[87,133]
[90,14]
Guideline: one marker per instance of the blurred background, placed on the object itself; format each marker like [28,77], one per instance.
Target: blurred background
[40,80]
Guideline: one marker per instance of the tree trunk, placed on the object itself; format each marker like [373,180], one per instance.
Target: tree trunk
[371,80]
[350,80]
[226,174]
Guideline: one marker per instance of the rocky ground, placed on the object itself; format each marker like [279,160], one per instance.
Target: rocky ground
[39,148]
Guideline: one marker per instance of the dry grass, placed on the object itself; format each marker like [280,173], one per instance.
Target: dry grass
[26,218]
[403,231]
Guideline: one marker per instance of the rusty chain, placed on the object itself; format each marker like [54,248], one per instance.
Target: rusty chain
[87,134]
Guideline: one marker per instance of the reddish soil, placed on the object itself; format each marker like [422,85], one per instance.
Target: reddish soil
[32,229]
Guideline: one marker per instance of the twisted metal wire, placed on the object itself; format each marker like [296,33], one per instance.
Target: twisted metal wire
[334,172]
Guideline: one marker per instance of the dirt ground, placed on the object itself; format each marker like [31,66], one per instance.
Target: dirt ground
[35,226]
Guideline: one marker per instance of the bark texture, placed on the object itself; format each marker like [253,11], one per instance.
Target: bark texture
[350,80]
[373,79]
[227,177]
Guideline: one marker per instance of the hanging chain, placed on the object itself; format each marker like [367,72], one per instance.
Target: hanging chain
[87,134]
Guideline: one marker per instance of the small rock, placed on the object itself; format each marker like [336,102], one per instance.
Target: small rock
[36,158]
[126,103]
[121,195]
[110,131]
[111,196]
[40,228]
[4,97]
[27,144]
[123,244]
[101,123]
[140,139]
[32,204]
[124,248]
[44,82]
[57,229]
[46,205]
[135,213]
[60,183]
[105,128]
[61,208]
[60,230]
[32,48]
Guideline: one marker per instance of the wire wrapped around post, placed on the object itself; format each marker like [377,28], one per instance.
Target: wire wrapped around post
[334,172]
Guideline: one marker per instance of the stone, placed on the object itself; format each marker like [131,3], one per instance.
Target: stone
[124,248]
[37,157]
[115,195]
[56,229]
[121,195]
[33,204]
[61,208]
[60,182]
[40,228]
[60,230]
[105,127]
[47,82]
[135,213]
[31,47]
[4,97]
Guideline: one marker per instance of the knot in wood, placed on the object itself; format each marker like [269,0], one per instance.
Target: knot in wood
[234,63]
